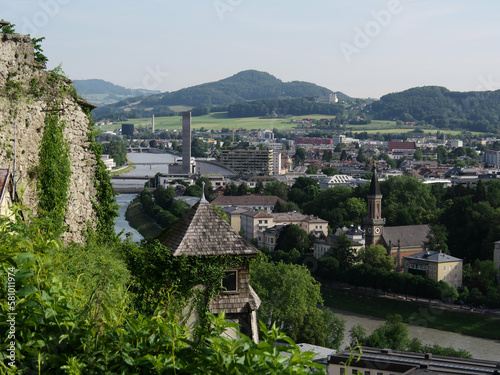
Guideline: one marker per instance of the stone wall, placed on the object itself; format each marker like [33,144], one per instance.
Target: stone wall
[27,91]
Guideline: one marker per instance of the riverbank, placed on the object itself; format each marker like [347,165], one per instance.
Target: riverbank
[339,297]
[122,170]
[138,220]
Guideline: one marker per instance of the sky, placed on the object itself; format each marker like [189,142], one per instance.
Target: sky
[363,48]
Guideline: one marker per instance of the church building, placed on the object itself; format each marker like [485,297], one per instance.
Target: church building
[400,241]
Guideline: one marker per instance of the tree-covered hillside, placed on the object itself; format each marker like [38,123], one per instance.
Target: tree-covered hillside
[438,106]
[283,107]
[246,85]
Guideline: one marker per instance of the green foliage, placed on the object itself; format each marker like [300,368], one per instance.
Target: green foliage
[316,327]
[474,111]
[282,289]
[407,201]
[39,56]
[276,188]
[63,328]
[376,256]
[8,29]
[393,334]
[343,251]
[282,108]
[116,150]
[54,170]
[293,237]
[339,206]
[104,204]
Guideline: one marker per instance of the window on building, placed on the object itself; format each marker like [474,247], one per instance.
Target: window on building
[434,268]
[456,266]
[444,277]
[367,372]
[456,276]
[342,371]
[444,268]
[230,281]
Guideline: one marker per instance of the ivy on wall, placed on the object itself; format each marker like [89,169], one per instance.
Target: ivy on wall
[54,170]
[104,204]
[162,280]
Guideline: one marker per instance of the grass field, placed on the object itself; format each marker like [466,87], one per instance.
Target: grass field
[446,320]
[219,120]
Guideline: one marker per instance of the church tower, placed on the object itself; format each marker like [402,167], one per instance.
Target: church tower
[374,223]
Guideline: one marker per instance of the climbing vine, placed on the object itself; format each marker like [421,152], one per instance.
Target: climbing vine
[162,280]
[54,170]
[104,204]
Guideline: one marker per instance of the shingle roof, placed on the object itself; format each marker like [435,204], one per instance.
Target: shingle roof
[374,185]
[408,235]
[246,200]
[434,256]
[202,231]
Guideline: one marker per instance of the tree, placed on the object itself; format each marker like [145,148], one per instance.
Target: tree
[418,155]
[164,196]
[193,191]
[285,207]
[283,288]
[357,335]
[342,251]
[312,170]
[392,335]
[276,188]
[300,155]
[327,155]
[243,189]
[316,327]
[293,237]
[330,171]
[376,256]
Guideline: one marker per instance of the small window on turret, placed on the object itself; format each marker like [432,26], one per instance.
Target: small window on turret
[230,281]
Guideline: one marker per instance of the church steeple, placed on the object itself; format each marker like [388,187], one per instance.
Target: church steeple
[374,223]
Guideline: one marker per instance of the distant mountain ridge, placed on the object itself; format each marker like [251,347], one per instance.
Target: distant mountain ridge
[243,86]
[100,92]
[438,106]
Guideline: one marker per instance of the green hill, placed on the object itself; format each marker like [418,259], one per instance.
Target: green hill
[243,86]
[100,92]
[438,106]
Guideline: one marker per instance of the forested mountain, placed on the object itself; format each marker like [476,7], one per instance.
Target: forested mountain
[438,106]
[246,85]
[100,92]
[283,107]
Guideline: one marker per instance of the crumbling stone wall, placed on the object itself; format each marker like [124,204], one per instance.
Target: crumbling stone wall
[27,91]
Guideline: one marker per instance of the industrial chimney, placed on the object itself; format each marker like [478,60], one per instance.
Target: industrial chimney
[186,142]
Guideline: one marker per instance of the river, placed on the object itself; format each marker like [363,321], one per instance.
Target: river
[478,347]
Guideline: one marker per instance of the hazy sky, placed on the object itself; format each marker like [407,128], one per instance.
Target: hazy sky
[360,47]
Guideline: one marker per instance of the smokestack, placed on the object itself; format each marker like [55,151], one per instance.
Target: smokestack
[186,142]
[153,124]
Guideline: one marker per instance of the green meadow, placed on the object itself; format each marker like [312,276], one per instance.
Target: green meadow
[219,120]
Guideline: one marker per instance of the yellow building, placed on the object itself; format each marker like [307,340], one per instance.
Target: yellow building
[436,266]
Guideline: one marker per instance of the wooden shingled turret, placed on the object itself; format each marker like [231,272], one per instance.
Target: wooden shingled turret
[201,231]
